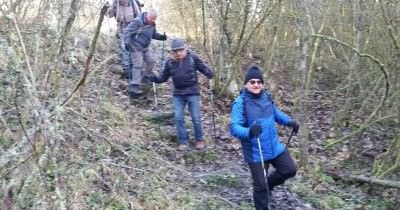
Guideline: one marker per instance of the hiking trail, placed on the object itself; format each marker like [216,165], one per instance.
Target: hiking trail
[218,169]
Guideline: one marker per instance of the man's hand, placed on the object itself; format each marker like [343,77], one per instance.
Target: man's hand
[152,78]
[255,130]
[163,37]
[295,125]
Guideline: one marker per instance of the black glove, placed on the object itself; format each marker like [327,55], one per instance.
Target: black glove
[255,130]
[152,78]
[163,37]
[127,47]
[295,125]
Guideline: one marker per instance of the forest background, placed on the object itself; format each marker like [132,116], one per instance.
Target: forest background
[333,65]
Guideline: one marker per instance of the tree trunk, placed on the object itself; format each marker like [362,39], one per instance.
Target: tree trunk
[301,7]
[355,69]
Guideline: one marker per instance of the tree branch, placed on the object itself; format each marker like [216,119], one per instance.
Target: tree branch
[82,81]
[384,97]
[363,179]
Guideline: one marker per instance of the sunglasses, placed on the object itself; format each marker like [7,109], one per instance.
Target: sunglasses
[253,82]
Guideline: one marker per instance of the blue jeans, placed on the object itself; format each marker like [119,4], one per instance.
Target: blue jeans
[194,108]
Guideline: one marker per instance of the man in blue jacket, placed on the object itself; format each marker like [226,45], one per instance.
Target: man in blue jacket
[183,67]
[253,121]
[137,37]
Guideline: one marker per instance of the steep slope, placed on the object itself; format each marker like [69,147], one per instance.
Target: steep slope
[217,172]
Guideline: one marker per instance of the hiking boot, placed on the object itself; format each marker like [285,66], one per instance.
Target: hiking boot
[135,91]
[200,145]
[182,147]
[135,94]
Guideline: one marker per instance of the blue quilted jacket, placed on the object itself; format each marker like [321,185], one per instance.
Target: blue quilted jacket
[248,109]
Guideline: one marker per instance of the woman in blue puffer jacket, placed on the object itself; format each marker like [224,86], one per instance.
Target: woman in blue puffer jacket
[253,121]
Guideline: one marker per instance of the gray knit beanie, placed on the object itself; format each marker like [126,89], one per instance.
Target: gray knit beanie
[177,43]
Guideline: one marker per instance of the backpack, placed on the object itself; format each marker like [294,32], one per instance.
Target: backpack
[125,11]
[124,3]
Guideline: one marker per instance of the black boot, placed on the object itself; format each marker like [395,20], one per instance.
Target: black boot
[135,91]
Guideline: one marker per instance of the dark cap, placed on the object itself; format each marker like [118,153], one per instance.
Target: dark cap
[177,44]
[253,72]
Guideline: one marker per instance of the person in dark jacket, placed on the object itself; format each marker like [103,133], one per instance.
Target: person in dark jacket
[137,38]
[253,119]
[183,67]
[124,12]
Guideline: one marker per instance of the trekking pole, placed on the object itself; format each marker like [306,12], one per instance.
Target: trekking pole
[155,91]
[158,111]
[263,166]
[130,73]
[212,108]
[290,137]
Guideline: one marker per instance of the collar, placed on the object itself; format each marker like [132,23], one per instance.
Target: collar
[252,95]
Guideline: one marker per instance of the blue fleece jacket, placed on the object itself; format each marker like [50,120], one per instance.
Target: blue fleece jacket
[248,109]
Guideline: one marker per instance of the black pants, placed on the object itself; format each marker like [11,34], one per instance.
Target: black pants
[285,168]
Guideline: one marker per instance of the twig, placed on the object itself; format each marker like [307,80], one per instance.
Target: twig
[148,153]
[128,167]
[375,60]
[22,124]
[5,124]
[92,48]
[15,166]
[384,97]
[30,82]
[364,179]
[66,31]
